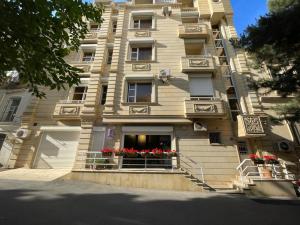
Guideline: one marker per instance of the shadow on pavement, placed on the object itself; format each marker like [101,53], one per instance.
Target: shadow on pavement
[40,207]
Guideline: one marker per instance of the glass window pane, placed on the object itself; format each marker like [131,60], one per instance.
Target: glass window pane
[143,93]
[145,53]
[130,99]
[146,24]
[136,24]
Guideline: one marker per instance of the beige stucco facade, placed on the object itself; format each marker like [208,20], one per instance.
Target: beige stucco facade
[189,40]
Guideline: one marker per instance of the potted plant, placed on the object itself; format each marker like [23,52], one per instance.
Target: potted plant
[270,159]
[107,152]
[130,153]
[145,153]
[157,153]
[256,159]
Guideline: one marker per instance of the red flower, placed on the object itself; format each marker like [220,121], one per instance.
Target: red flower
[253,156]
[270,157]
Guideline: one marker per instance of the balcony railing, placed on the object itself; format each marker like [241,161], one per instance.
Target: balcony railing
[198,63]
[68,109]
[92,35]
[250,126]
[193,30]
[199,107]
[189,12]
[93,160]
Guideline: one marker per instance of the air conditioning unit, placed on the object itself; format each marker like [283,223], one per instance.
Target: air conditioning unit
[200,127]
[22,133]
[164,74]
[13,76]
[167,10]
[284,146]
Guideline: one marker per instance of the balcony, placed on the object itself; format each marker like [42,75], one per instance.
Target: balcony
[90,37]
[204,108]
[152,2]
[189,12]
[250,126]
[68,110]
[198,63]
[193,30]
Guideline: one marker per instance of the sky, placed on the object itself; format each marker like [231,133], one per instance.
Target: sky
[245,12]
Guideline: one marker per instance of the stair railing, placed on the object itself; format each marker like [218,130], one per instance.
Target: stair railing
[188,164]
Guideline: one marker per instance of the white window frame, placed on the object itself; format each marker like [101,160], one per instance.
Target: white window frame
[139,16]
[91,58]
[136,83]
[147,78]
[141,43]
[7,109]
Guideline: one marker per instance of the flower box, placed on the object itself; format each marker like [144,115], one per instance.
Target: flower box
[256,159]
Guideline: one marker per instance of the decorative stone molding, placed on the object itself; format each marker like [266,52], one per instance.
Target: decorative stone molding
[69,110]
[211,108]
[193,28]
[198,62]
[85,68]
[92,35]
[141,66]
[139,110]
[253,125]
[142,33]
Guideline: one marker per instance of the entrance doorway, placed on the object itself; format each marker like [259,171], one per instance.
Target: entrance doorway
[142,142]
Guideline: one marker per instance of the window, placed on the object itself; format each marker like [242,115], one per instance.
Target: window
[201,87]
[104,94]
[215,138]
[94,27]
[139,92]
[242,147]
[114,27]
[88,56]
[142,23]
[109,56]
[2,139]
[80,93]
[10,109]
[141,53]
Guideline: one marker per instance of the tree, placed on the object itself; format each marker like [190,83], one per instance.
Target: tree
[36,35]
[278,5]
[275,42]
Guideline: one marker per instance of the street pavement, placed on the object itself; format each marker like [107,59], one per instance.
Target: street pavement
[24,202]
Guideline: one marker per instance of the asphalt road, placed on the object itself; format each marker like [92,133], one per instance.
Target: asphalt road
[81,203]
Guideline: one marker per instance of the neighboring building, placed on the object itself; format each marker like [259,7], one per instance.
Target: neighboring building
[157,73]
[13,101]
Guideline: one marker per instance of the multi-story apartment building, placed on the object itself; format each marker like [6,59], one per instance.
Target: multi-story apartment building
[157,74]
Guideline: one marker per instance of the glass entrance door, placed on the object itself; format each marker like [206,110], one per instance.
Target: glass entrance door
[144,143]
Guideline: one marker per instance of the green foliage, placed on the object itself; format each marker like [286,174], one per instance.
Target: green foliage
[275,42]
[278,5]
[35,36]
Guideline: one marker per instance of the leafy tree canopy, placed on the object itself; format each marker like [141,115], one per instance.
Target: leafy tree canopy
[35,36]
[275,42]
[278,5]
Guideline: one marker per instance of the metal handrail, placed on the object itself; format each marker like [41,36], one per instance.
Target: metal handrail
[203,98]
[195,166]
[146,163]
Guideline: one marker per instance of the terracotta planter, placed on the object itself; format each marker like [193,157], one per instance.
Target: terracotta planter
[265,172]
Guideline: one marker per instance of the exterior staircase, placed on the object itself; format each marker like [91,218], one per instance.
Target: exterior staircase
[194,172]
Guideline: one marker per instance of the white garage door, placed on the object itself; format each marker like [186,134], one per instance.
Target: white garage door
[57,150]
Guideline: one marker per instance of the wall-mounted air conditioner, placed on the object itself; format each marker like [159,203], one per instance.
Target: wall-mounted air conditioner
[200,127]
